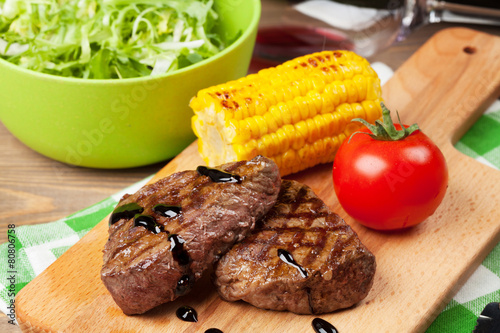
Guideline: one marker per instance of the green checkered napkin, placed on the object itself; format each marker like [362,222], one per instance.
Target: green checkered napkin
[481,142]
[37,246]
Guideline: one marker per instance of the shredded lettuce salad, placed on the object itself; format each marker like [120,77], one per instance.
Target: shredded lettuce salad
[107,39]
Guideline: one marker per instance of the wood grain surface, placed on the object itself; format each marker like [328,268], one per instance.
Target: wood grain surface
[418,271]
[35,189]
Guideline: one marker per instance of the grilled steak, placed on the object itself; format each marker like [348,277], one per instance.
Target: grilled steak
[300,257]
[164,236]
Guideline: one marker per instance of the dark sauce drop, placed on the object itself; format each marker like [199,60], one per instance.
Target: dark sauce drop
[184,285]
[218,176]
[187,313]
[322,326]
[213,330]
[177,249]
[126,211]
[147,222]
[288,258]
[167,210]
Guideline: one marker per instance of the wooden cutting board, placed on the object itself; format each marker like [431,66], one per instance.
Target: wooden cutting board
[445,86]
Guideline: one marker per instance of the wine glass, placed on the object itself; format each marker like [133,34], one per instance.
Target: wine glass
[293,28]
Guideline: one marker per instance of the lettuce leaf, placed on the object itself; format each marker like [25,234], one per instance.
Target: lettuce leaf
[107,39]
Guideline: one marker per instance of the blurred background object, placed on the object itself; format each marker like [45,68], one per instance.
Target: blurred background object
[363,26]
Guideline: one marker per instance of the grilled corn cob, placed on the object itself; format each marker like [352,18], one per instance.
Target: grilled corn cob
[297,113]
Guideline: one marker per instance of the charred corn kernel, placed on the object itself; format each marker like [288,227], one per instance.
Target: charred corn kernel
[278,115]
[372,110]
[316,102]
[351,90]
[300,134]
[332,97]
[361,85]
[319,121]
[345,109]
[270,122]
[262,125]
[358,110]
[274,143]
[331,122]
[297,113]
[342,91]
[373,90]
[302,107]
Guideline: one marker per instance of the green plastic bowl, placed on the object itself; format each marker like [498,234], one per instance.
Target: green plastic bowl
[121,123]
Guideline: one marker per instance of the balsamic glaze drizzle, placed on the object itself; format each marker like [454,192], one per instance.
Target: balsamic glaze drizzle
[167,210]
[177,249]
[147,222]
[288,258]
[126,211]
[184,285]
[322,326]
[213,330]
[218,176]
[187,313]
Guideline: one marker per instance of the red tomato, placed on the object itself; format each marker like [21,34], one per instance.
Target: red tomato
[390,184]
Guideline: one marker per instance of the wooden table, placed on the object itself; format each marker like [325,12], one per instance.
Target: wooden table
[35,189]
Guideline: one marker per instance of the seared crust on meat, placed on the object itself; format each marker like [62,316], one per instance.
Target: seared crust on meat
[143,268]
[338,266]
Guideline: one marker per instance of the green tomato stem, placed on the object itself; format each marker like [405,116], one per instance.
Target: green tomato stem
[385,130]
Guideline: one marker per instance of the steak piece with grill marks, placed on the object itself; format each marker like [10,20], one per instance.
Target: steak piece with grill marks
[300,257]
[164,236]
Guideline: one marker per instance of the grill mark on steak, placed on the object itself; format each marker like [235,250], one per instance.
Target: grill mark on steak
[317,245]
[317,248]
[297,238]
[140,270]
[340,268]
